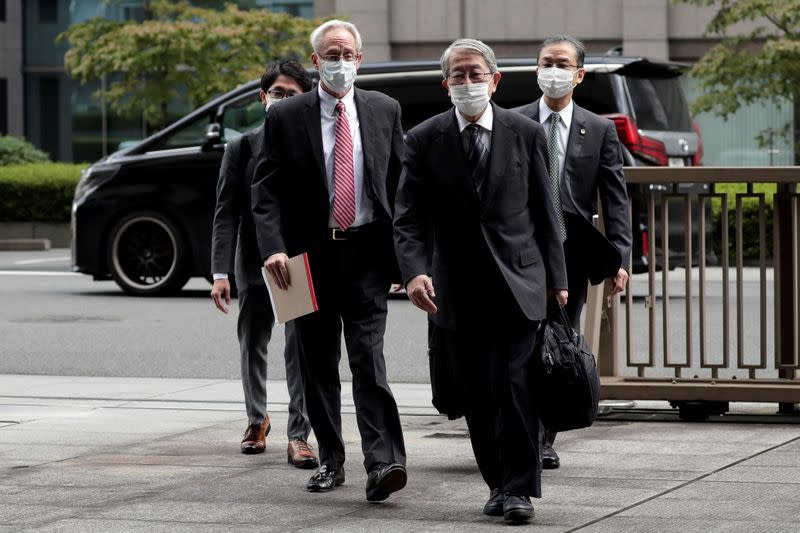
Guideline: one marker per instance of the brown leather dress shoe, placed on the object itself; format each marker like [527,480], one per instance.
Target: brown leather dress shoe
[255,437]
[301,454]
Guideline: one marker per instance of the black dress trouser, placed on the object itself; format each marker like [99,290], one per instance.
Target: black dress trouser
[351,280]
[492,371]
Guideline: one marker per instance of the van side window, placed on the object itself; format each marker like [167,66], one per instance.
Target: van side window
[242,116]
[188,135]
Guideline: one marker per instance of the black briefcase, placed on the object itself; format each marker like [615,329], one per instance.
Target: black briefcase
[566,384]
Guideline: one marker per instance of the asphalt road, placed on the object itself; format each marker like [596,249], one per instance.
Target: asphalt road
[58,323]
[55,322]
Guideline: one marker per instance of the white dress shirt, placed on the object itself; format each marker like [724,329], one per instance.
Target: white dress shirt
[365,211]
[563,130]
[485,122]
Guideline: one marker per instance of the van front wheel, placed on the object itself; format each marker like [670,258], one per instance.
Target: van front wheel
[147,255]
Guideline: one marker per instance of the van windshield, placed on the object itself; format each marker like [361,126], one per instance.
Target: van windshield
[659,104]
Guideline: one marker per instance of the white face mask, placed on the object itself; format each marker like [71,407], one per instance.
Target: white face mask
[268,103]
[555,82]
[470,98]
[338,75]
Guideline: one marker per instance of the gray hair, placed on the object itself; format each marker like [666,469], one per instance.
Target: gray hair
[469,44]
[580,49]
[319,32]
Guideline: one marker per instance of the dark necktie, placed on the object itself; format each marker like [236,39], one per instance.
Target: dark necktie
[477,155]
[555,174]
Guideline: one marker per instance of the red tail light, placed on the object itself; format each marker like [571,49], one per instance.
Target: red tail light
[646,148]
[697,158]
[645,243]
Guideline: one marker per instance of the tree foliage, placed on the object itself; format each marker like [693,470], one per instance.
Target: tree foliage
[180,46]
[761,64]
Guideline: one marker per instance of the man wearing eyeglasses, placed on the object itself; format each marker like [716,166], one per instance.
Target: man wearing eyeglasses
[234,229]
[585,158]
[325,185]
[475,182]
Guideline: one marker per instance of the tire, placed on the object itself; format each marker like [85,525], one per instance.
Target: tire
[147,255]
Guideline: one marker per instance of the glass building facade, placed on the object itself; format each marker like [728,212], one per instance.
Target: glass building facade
[62,116]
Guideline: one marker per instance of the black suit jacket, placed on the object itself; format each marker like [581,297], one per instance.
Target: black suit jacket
[290,192]
[594,163]
[503,241]
[233,218]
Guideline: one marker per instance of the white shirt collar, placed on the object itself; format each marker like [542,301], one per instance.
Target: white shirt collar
[566,113]
[328,103]
[485,121]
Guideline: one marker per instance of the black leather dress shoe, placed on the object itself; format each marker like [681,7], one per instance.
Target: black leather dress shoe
[517,509]
[494,506]
[385,480]
[550,460]
[325,478]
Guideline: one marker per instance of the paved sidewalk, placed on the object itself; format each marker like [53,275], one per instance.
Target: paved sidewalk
[120,454]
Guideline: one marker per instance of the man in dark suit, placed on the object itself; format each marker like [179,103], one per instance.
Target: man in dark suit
[585,158]
[234,229]
[475,182]
[325,185]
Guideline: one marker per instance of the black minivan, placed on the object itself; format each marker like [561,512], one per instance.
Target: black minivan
[143,215]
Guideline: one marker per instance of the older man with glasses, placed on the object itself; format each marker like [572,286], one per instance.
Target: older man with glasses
[325,186]
[477,238]
[234,229]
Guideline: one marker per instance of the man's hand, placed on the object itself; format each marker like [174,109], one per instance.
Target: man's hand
[560,295]
[276,266]
[618,282]
[221,290]
[420,291]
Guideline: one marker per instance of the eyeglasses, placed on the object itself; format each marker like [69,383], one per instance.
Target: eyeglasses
[334,57]
[278,94]
[564,66]
[457,78]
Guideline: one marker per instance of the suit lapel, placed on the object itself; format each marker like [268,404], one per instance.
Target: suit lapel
[577,134]
[314,128]
[369,132]
[503,139]
[535,111]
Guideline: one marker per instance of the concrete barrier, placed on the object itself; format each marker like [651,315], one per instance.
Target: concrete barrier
[58,234]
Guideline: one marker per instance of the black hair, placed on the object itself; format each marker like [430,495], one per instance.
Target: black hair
[287,67]
[564,38]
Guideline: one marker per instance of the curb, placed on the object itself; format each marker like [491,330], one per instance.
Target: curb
[19,245]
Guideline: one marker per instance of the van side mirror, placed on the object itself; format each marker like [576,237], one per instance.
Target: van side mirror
[213,137]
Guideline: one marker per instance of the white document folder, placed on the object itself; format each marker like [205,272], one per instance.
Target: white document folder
[299,298]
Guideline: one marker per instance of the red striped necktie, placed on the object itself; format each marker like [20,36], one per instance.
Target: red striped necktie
[344,187]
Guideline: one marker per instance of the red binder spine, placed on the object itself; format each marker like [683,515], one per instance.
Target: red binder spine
[310,282]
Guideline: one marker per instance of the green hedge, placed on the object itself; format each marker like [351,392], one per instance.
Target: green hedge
[18,151]
[751,241]
[39,192]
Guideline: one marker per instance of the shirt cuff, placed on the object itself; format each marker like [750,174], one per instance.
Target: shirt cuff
[218,275]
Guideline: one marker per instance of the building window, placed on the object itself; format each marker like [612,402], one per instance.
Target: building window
[3,106]
[2,10]
[48,10]
[49,118]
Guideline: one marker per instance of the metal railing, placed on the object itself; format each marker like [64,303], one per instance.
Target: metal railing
[736,334]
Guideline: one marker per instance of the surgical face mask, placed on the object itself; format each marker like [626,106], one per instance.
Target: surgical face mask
[268,103]
[470,98]
[338,75]
[555,82]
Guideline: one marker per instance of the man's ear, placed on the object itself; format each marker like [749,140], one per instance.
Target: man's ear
[446,86]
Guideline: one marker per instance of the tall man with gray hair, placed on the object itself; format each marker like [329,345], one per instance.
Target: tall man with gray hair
[325,185]
[474,195]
